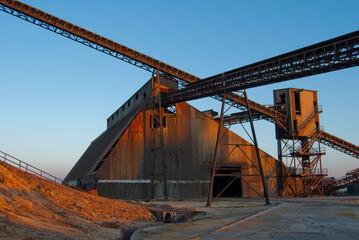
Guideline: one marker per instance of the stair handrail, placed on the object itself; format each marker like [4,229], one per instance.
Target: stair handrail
[308,116]
[313,136]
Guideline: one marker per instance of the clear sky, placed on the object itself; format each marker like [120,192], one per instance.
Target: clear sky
[56,94]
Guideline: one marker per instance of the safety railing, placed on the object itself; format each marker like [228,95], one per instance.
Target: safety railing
[308,116]
[314,172]
[28,168]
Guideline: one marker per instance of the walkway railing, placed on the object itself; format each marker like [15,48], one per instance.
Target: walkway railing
[28,168]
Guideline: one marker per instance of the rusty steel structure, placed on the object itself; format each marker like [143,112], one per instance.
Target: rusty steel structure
[350,178]
[289,147]
[219,170]
[269,113]
[334,54]
[339,144]
[158,151]
[92,40]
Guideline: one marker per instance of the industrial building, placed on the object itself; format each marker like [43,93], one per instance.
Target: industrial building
[120,163]
[139,156]
[156,145]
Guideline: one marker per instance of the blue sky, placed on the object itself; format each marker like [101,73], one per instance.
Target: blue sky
[56,94]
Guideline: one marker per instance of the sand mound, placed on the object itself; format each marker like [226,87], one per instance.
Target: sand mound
[34,208]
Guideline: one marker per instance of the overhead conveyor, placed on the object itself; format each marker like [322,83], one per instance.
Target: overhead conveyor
[330,55]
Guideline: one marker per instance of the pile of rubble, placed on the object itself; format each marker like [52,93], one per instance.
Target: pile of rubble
[35,208]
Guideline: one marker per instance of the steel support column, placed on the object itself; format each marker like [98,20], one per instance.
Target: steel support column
[210,192]
[257,150]
[157,118]
[279,168]
[163,159]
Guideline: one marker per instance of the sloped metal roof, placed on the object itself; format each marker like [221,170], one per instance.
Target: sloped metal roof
[101,146]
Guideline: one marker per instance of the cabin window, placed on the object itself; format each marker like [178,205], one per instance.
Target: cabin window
[297,102]
[282,98]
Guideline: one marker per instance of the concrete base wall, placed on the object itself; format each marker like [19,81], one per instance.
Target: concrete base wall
[353,190]
[176,190]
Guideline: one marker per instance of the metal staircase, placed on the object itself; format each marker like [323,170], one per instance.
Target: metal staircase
[308,142]
[334,54]
[308,118]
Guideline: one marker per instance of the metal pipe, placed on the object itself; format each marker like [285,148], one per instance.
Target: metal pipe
[279,168]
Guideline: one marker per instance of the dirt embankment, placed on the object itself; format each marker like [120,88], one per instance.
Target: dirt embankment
[34,208]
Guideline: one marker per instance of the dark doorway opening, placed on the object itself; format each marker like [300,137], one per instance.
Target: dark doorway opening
[222,178]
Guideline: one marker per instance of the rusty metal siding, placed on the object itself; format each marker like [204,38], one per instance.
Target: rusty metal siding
[100,147]
[127,157]
[189,144]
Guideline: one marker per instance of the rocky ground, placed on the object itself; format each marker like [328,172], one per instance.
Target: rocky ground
[34,208]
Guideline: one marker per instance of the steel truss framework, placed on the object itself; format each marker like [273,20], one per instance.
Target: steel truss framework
[334,54]
[351,177]
[288,149]
[270,114]
[159,169]
[303,173]
[92,40]
[236,171]
[337,53]
[339,144]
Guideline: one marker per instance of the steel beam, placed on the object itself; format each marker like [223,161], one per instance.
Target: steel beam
[257,150]
[330,55]
[92,40]
[213,173]
[334,54]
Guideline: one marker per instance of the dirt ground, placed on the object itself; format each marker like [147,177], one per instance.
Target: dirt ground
[34,208]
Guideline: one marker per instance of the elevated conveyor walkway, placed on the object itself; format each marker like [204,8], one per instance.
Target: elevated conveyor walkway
[351,177]
[339,144]
[269,114]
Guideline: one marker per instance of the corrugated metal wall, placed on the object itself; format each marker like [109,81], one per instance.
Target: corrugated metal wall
[189,138]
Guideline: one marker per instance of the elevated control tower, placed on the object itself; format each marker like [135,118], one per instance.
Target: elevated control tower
[297,143]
